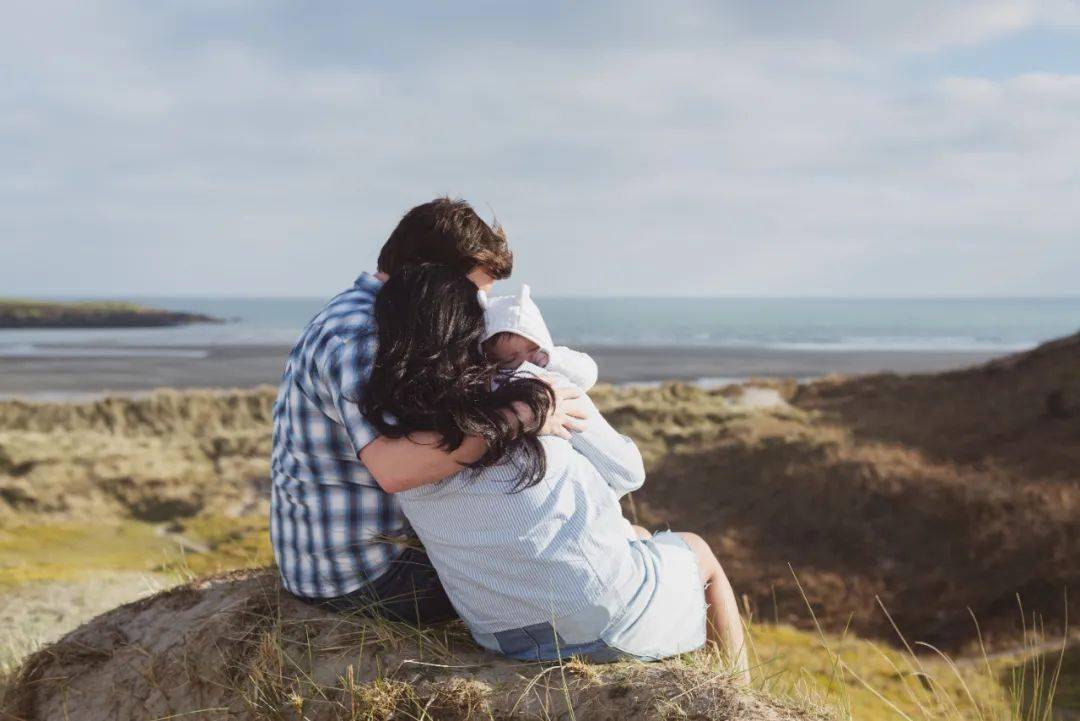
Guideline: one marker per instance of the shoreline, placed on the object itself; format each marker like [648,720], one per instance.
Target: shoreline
[63,372]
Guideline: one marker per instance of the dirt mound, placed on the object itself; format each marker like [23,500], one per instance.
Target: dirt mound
[935,493]
[1019,415]
[238,647]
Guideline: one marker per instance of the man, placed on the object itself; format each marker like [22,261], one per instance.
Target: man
[333,519]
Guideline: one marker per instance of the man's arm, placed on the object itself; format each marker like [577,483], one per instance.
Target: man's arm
[399,464]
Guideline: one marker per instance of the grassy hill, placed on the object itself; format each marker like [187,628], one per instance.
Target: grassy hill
[934,497]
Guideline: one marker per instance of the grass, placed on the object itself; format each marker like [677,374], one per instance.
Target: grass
[856,678]
[350,667]
[866,680]
[69,551]
[136,458]
[72,551]
[870,681]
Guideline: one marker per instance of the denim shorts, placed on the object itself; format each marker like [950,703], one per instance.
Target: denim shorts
[664,617]
[408,591]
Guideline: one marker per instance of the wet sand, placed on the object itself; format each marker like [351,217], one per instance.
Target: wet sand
[54,375]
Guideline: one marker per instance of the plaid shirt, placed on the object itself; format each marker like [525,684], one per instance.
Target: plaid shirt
[328,517]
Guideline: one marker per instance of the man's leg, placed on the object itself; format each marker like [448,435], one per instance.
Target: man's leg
[724,625]
[409,591]
[413,593]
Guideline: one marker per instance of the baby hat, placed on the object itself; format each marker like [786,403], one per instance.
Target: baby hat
[517,314]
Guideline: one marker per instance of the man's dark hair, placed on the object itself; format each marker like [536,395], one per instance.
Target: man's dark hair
[448,232]
[431,375]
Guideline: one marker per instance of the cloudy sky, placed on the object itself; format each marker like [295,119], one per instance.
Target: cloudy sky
[839,147]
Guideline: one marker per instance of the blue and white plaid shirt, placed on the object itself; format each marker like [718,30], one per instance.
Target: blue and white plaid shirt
[329,520]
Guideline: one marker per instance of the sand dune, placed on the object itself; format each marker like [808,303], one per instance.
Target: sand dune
[935,493]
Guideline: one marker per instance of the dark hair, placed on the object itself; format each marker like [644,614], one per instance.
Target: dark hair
[448,232]
[499,337]
[430,373]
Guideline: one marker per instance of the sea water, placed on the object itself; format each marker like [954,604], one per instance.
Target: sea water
[830,324]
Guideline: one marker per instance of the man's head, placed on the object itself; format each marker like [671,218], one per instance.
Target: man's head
[448,232]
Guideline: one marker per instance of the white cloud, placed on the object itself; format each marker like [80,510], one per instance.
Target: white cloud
[626,148]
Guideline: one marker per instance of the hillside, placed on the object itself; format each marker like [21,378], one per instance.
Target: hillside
[935,494]
[99,314]
[960,487]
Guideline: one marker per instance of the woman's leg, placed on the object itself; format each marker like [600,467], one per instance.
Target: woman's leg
[724,625]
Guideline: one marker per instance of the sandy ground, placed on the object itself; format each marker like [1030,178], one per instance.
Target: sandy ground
[39,613]
[56,377]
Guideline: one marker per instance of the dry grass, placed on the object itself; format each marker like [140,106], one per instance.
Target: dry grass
[248,641]
[934,494]
[859,516]
[239,644]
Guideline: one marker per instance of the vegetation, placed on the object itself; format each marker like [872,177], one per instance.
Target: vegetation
[90,314]
[941,498]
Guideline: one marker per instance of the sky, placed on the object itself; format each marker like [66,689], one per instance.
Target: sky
[262,148]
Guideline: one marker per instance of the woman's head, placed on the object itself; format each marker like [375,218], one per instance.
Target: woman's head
[430,373]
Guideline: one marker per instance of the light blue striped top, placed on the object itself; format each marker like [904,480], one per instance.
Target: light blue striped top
[557,550]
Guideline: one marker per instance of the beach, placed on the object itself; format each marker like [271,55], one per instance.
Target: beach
[63,372]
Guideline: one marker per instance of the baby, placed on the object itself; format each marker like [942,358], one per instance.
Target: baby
[516,333]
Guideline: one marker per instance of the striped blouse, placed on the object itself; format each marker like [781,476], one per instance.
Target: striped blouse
[556,550]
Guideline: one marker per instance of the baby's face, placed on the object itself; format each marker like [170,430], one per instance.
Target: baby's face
[510,350]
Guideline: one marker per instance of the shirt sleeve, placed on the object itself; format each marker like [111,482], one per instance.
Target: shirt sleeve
[345,372]
[578,367]
[614,456]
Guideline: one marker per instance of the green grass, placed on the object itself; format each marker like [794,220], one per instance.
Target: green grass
[69,551]
[871,681]
[66,551]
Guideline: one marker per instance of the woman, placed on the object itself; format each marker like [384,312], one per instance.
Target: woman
[530,544]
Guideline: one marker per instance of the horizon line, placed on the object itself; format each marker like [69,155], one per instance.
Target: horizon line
[563,296]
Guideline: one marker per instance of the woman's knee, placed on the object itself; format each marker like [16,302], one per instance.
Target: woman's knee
[706,559]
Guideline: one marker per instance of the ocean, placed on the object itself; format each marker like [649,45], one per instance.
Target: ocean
[635,340]
[984,325]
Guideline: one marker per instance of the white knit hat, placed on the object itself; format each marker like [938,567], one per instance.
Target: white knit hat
[517,314]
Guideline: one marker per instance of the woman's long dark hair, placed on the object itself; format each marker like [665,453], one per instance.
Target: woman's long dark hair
[430,373]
